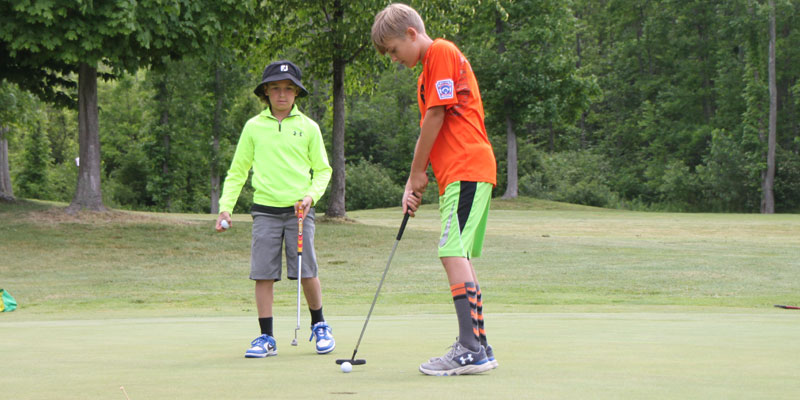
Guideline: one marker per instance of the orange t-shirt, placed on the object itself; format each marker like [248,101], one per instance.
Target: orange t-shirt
[462,151]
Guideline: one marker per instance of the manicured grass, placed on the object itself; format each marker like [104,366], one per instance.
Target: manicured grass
[541,355]
[581,303]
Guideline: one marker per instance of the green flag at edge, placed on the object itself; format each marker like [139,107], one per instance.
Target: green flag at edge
[8,304]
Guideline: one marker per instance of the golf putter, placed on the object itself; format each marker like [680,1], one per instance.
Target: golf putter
[352,360]
[299,267]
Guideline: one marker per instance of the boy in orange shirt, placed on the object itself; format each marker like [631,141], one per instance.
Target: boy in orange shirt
[453,139]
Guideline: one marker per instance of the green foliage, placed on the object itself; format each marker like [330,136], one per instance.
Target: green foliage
[675,186]
[384,125]
[679,122]
[157,132]
[787,192]
[542,88]
[683,115]
[42,146]
[33,180]
[369,185]
[62,182]
[43,41]
[579,177]
[18,110]
[727,181]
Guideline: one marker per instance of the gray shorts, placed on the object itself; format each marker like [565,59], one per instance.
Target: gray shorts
[273,231]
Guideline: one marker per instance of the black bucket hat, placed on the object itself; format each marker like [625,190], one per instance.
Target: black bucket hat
[278,71]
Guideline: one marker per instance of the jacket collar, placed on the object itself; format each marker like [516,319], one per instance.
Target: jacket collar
[268,113]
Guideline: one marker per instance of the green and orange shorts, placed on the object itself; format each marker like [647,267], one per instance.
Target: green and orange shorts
[464,209]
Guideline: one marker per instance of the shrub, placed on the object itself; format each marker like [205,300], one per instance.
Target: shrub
[579,177]
[369,186]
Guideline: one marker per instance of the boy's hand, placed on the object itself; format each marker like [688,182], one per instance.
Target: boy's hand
[223,216]
[411,202]
[417,182]
[305,204]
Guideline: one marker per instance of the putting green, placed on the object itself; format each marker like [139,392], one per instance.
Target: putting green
[604,355]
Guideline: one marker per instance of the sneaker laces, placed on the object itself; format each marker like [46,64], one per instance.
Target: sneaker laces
[450,353]
[259,341]
[320,331]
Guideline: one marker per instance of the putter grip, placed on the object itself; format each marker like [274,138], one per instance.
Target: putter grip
[402,226]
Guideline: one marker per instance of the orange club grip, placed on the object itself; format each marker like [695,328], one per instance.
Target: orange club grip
[300,231]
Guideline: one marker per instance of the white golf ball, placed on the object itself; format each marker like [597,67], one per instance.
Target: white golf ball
[224,224]
[346,367]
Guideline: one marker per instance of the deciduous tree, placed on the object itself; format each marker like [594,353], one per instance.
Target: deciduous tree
[43,42]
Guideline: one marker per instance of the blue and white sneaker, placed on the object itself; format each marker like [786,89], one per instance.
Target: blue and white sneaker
[325,342]
[262,346]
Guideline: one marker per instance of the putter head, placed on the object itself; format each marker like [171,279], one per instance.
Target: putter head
[294,341]
[357,361]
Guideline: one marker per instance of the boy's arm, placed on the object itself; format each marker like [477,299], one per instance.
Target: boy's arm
[322,169]
[237,173]
[418,178]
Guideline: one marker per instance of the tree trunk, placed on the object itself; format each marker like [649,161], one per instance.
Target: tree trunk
[88,195]
[768,183]
[336,202]
[512,187]
[6,191]
[216,131]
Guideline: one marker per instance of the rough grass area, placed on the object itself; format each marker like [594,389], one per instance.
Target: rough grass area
[537,254]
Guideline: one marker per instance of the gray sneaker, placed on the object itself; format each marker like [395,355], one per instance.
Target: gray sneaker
[458,361]
[490,355]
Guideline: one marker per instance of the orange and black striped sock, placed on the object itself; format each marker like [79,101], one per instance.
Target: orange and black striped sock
[479,310]
[467,330]
[472,296]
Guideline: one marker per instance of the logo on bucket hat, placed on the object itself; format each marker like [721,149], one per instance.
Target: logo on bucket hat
[279,71]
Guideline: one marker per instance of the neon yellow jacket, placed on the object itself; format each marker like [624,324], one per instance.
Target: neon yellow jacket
[282,156]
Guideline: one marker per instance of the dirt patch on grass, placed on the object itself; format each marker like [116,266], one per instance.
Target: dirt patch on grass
[336,220]
[59,215]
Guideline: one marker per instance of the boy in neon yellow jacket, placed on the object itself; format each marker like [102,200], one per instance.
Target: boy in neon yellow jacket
[290,167]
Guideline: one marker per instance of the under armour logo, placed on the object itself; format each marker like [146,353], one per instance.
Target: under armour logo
[464,360]
[284,68]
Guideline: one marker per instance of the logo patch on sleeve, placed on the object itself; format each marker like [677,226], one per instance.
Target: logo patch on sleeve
[444,88]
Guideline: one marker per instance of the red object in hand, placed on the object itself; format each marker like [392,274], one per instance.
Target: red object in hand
[300,231]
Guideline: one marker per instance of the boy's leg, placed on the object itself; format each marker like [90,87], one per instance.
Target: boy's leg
[265,269]
[319,328]
[264,344]
[313,292]
[462,209]
[462,288]
[264,298]
[478,300]
[309,280]
[481,328]
[466,356]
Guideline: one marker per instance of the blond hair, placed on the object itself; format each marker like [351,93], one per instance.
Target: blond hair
[393,22]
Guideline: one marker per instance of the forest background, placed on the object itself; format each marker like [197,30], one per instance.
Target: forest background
[645,105]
